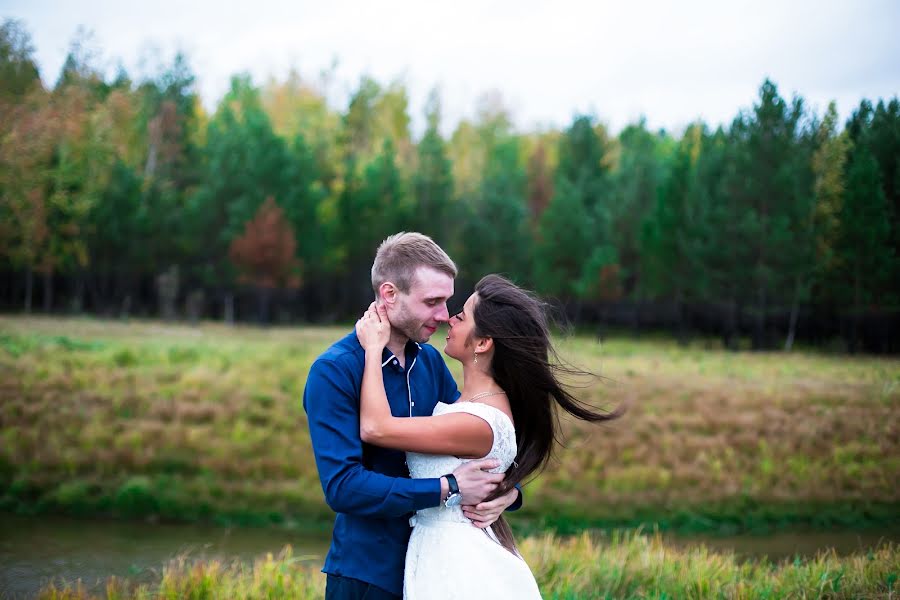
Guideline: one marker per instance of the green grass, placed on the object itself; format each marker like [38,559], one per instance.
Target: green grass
[205,423]
[623,566]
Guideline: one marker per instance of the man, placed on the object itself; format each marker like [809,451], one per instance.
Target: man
[369,487]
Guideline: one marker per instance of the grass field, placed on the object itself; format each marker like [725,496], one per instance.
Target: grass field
[624,566]
[164,420]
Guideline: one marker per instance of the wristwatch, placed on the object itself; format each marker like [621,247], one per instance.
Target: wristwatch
[454,498]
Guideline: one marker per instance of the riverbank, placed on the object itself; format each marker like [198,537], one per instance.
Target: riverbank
[37,550]
[625,566]
[151,420]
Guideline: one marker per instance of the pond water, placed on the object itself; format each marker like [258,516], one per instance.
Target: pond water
[789,544]
[36,550]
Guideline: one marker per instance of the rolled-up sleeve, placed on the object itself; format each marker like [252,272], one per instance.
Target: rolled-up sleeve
[332,407]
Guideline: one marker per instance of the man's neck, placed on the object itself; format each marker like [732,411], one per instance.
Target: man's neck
[397,346]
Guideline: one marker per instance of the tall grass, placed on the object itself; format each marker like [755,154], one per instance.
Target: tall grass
[626,566]
[205,423]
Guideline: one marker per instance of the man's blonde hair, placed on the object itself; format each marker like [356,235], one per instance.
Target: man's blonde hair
[401,254]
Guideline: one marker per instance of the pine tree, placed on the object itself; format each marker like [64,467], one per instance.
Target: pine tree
[863,250]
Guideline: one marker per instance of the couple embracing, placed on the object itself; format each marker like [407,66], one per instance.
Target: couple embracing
[418,472]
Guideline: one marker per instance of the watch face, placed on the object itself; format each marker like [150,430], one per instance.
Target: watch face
[453,500]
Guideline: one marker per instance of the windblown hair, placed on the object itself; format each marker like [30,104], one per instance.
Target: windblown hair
[527,367]
[401,254]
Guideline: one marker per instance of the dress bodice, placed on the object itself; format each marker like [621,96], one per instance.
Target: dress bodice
[448,558]
[433,465]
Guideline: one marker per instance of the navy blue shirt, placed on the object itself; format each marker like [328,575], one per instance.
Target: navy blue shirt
[369,487]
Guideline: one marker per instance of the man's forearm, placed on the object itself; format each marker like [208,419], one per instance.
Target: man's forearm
[366,493]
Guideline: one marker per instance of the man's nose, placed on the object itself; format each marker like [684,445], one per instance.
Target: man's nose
[443,316]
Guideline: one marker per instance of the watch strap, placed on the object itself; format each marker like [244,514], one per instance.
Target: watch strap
[452,484]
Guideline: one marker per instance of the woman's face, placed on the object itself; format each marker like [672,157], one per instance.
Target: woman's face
[459,342]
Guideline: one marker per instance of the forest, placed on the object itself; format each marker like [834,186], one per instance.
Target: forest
[125,197]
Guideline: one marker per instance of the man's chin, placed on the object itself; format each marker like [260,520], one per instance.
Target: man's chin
[419,336]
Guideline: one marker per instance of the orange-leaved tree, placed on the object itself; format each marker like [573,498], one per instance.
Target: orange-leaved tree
[265,254]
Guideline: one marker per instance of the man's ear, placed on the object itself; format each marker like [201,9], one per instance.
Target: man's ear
[387,293]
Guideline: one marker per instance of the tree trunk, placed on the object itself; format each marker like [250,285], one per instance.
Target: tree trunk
[77,304]
[730,334]
[194,306]
[577,316]
[263,297]
[48,291]
[97,301]
[636,318]
[792,324]
[228,312]
[759,325]
[854,319]
[29,289]
[150,165]
[680,322]
[125,311]
[167,284]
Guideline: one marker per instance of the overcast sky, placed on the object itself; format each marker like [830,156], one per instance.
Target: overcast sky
[672,61]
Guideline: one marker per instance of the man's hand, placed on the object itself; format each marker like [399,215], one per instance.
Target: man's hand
[484,514]
[475,483]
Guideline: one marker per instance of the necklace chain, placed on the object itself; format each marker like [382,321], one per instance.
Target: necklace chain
[483,395]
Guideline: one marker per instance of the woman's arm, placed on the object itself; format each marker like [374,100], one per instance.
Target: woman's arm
[458,434]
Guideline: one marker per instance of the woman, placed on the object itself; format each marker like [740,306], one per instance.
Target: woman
[506,411]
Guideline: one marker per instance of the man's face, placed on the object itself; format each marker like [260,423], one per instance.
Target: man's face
[419,313]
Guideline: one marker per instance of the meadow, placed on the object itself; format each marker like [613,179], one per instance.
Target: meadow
[148,419]
[624,566]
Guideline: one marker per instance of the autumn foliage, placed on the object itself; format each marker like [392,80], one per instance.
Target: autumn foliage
[264,253]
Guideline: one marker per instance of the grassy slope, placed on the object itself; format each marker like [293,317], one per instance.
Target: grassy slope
[190,423]
[629,566]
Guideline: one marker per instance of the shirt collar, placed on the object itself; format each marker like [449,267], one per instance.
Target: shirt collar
[388,359]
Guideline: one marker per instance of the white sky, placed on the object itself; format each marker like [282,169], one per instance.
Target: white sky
[672,61]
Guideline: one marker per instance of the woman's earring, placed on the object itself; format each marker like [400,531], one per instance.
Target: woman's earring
[476,358]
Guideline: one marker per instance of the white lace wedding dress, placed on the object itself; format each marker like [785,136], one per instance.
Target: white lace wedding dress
[447,557]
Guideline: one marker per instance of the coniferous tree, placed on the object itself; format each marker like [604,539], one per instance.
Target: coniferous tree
[245,163]
[575,254]
[433,180]
[770,184]
[670,237]
[864,255]
[883,139]
[636,185]
[497,233]
[813,258]
[565,235]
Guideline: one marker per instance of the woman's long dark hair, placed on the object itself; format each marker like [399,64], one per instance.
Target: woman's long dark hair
[526,366]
